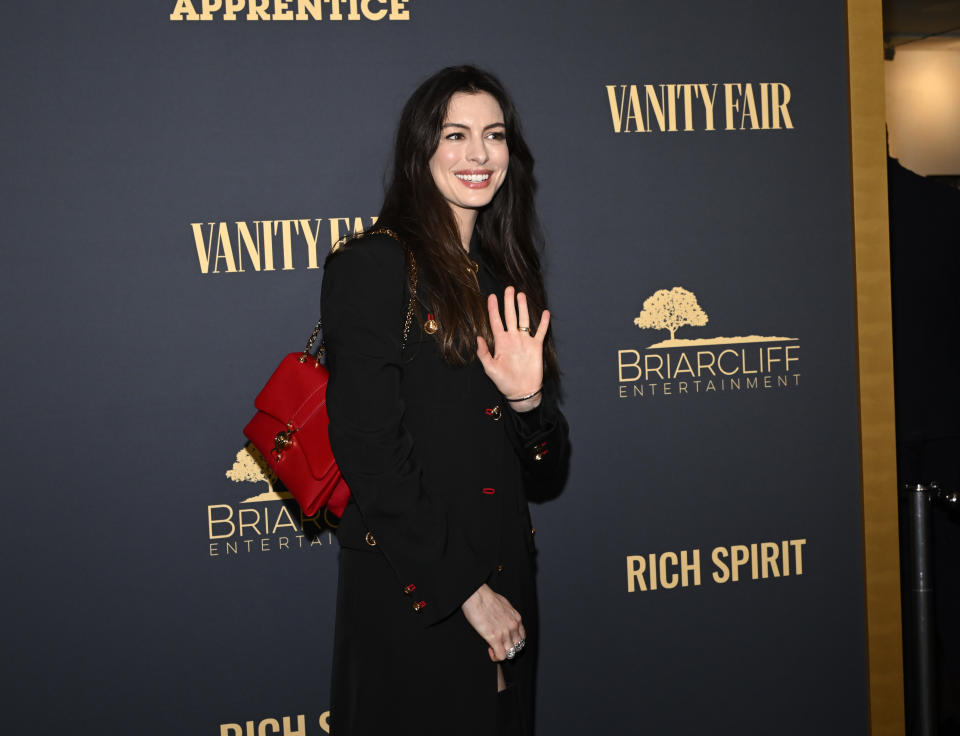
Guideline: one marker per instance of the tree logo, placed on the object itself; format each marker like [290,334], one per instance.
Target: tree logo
[251,467]
[671,309]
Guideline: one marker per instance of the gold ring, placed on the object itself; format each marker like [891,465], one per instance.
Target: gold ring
[524,329]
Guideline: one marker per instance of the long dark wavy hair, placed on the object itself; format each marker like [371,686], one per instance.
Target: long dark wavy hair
[507,231]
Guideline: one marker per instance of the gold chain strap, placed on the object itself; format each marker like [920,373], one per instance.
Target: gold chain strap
[411,282]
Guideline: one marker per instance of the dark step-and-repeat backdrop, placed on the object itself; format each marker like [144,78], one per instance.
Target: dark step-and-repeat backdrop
[174,173]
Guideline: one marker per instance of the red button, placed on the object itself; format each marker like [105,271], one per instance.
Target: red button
[489,491]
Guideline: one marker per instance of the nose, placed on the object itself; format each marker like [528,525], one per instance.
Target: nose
[477,150]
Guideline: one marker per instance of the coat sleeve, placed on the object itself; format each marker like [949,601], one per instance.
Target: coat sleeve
[541,438]
[364,303]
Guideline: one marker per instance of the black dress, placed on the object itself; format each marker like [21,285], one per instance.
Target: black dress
[440,469]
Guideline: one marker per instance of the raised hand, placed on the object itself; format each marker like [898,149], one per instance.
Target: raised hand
[516,366]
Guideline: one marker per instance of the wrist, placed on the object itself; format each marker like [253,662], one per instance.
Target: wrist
[518,399]
[521,407]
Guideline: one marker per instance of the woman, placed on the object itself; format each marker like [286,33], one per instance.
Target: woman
[443,426]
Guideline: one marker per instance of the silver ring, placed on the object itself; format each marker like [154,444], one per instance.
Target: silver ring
[511,652]
[520,644]
[524,329]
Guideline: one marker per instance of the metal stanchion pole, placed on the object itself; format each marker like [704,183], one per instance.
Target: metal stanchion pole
[922,665]
[919,501]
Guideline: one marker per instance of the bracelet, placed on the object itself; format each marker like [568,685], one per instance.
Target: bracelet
[528,396]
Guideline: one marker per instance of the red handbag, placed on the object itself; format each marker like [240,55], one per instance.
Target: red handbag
[290,426]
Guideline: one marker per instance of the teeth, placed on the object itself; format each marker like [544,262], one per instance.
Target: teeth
[475,178]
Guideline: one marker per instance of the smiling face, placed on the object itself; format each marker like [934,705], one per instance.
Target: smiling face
[470,162]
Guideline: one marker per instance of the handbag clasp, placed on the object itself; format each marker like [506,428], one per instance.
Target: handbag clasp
[283,440]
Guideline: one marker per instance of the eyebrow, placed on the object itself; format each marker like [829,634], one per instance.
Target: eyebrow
[467,127]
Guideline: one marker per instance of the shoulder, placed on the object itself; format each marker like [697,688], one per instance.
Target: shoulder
[376,260]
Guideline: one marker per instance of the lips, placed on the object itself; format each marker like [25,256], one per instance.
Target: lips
[474,178]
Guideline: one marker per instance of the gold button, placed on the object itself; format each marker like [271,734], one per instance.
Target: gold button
[499,568]
[408,589]
[538,456]
[370,540]
[419,606]
[533,530]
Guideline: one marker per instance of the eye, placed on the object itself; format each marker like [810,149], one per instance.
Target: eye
[497,135]
[454,137]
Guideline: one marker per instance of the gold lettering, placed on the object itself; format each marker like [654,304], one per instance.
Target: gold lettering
[281,10]
[312,239]
[335,13]
[668,580]
[309,6]
[769,552]
[686,567]
[244,236]
[315,520]
[731,103]
[684,361]
[272,723]
[797,545]
[688,91]
[701,366]
[616,108]
[335,227]
[739,554]
[203,251]
[284,519]
[647,370]
[720,358]
[267,243]
[249,524]
[765,105]
[398,10]
[622,364]
[658,105]
[208,7]
[224,252]
[770,359]
[231,8]
[258,10]
[228,521]
[722,573]
[287,240]
[780,108]
[672,106]
[750,109]
[790,359]
[369,14]
[636,565]
[184,10]
[706,97]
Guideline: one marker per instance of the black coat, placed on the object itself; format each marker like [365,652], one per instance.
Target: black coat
[440,469]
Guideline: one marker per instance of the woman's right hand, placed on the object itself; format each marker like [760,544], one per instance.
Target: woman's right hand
[492,616]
